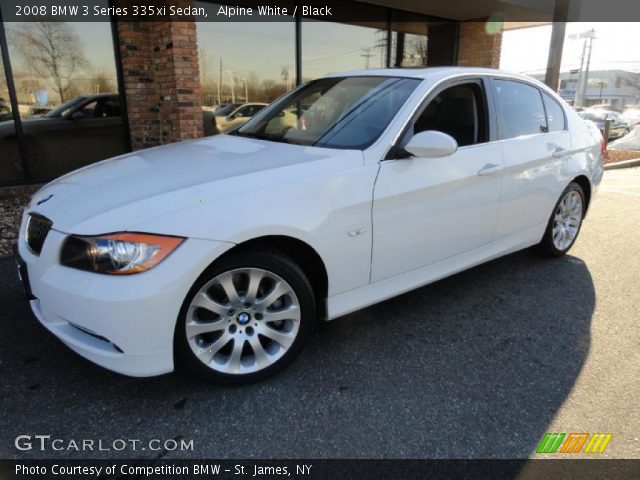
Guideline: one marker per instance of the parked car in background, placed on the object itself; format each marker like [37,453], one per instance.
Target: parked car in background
[618,126]
[604,107]
[231,116]
[632,115]
[78,132]
[225,109]
[38,111]
[5,111]
[223,253]
[210,122]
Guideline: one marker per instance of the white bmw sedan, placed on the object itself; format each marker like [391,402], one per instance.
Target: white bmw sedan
[222,253]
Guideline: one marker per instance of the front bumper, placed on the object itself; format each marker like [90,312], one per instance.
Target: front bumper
[123,323]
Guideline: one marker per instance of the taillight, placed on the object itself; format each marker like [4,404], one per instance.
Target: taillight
[603,146]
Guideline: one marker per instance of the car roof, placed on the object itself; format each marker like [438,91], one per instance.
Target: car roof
[100,95]
[432,73]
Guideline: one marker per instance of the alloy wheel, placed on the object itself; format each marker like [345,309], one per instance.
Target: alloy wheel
[567,219]
[243,320]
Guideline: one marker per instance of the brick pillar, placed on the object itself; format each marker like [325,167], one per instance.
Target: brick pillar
[477,48]
[161,81]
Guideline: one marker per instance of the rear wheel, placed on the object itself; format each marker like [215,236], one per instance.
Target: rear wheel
[245,318]
[565,222]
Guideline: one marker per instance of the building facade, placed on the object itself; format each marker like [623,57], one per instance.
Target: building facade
[72,93]
[617,88]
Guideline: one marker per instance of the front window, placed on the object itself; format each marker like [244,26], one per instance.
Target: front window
[458,111]
[65,108]
[340,112]
[226,110]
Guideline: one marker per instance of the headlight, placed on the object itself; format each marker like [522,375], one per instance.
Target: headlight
[117,253]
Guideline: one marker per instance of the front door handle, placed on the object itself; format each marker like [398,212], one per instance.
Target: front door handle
[559,152]
[489,169]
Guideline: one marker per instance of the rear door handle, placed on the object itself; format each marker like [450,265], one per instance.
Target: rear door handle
[489,169]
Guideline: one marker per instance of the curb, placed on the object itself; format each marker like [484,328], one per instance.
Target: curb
[634,162]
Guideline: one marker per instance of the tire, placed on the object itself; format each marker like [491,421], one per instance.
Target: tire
[245,318]
[565,222]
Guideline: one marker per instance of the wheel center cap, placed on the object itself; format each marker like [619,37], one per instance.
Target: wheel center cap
[244,318]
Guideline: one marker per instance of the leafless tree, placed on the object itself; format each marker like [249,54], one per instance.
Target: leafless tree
[102,82]
[285,73]
[52,50]
[419,50]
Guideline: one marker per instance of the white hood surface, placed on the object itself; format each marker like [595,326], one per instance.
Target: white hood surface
[117,194]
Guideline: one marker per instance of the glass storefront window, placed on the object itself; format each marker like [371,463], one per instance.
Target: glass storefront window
[409,44]
[243,66]
[66,84]
[10,160]
[335,47]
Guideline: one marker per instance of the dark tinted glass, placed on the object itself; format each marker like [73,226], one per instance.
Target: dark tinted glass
[555,114]
[521,108]
[67,90]
[227,109]
[339,112]
[336,47]
[244,62]
[10,160]
[457,111]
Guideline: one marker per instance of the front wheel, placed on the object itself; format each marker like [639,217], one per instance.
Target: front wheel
[565,222]
[245,318]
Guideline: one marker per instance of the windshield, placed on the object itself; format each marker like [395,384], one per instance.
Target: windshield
[64,108]
[340,112]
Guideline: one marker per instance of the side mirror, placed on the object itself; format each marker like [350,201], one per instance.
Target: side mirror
[431,144]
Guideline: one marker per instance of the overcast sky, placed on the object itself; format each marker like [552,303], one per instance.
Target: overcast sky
[615,47]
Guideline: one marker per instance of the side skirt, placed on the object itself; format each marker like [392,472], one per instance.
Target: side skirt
[353,300]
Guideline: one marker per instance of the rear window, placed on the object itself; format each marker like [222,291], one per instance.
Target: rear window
[555,114]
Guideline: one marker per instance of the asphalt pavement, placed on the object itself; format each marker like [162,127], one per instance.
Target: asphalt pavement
[479,365]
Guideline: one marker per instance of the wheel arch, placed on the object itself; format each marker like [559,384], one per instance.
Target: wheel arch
[301,252]
[585,184]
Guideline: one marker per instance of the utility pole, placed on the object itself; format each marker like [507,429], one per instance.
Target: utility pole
[233,86]
[560,14]
[583,79]
[578,99]
[220,84]
[366,55]
[591,34]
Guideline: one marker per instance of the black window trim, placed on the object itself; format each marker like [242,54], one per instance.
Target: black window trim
[395,151]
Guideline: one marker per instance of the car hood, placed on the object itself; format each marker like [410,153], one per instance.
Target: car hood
[125,191]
